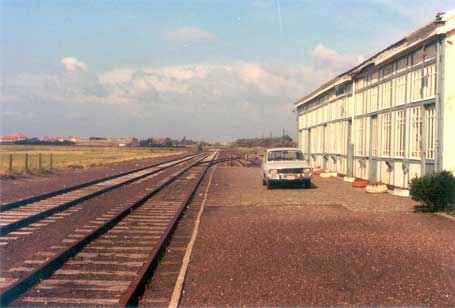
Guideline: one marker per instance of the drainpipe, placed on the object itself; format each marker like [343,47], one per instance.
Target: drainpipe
[439,102]
[351,133]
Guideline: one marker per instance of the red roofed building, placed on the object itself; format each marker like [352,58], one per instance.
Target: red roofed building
[13,138]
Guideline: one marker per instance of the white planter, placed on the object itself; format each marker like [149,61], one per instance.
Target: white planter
[376,189]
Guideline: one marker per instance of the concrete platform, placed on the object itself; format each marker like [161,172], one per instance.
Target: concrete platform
[331,245]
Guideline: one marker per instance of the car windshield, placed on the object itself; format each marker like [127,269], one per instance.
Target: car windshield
[285,155]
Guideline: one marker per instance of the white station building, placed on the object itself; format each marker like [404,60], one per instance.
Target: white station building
[390,118]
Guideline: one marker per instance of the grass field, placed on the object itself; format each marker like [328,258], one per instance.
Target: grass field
[73,156]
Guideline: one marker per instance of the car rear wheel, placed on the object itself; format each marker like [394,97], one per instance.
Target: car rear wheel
[269,185]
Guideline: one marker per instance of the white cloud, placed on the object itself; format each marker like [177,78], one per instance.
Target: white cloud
[328,58]
[73,64]
[262,4]
[216,101]
[189,34]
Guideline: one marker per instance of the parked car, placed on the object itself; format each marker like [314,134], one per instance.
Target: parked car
[285,165]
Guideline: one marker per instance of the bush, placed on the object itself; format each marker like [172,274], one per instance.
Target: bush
[435,190]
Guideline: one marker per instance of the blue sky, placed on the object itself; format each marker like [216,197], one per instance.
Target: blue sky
[203,69]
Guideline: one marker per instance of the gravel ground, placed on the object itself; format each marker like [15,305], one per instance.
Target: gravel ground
[31,185]
[331,245]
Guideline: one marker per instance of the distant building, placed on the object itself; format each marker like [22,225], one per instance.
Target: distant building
[46,138]
[391,117]
[12,138]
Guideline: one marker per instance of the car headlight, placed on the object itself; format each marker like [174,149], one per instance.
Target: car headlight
[273,171]
[306,170]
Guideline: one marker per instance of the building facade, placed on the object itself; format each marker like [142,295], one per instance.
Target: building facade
[392,117]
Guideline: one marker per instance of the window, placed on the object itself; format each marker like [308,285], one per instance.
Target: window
[415,134]
[333,138]
[360,133]
[374,98]
[400,129]
[348,106]
[340,90]
[417,56]
[401,65]
[359,84]
[359,103]
[342,106]
[341,138]
[285,155]
[430,132]
[366,101]
[386,94]
[429,81]
[375,77]
[388,70]
[374,136]
[416,85]
[386,134]
[400,84]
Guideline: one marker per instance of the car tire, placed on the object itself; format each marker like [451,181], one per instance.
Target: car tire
[269,185]
[263,182]
[308,184]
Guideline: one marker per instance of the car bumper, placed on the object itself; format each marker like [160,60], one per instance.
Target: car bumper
[289,177]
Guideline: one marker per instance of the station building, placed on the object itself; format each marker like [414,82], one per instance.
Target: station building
[390,118]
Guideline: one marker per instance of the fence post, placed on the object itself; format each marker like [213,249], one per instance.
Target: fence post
[10,164]
[50,161]
[26,162]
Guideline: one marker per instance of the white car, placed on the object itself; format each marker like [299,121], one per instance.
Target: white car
[285,165]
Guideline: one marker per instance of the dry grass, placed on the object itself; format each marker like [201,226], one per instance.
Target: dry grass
[73,156]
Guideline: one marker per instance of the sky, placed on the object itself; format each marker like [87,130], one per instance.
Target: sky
[209,69]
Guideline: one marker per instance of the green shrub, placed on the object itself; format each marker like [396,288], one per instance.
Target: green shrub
[435,190]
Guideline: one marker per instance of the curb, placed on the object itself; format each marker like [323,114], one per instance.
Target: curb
[178,289]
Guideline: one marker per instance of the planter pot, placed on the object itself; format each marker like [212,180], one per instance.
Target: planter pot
[360,184]
[334,174]
[326,174]
[376,189]
[317,172]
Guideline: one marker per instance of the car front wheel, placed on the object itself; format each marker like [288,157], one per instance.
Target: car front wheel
[307,184]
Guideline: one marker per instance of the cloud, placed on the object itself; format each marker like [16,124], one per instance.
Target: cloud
[214,101]
[189,34]
[262,4]
[330,59]
[73,64]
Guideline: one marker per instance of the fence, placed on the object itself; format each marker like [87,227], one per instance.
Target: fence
[41,163]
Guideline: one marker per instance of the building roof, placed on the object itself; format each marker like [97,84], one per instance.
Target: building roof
[13,137]
[443,23]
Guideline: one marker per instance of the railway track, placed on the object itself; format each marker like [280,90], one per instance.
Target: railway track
[18,215]
[108,261]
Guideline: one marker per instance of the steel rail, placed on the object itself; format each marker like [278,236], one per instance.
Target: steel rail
[222,160]
[46,213]
[46,269]
[131,295]
[15,204]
